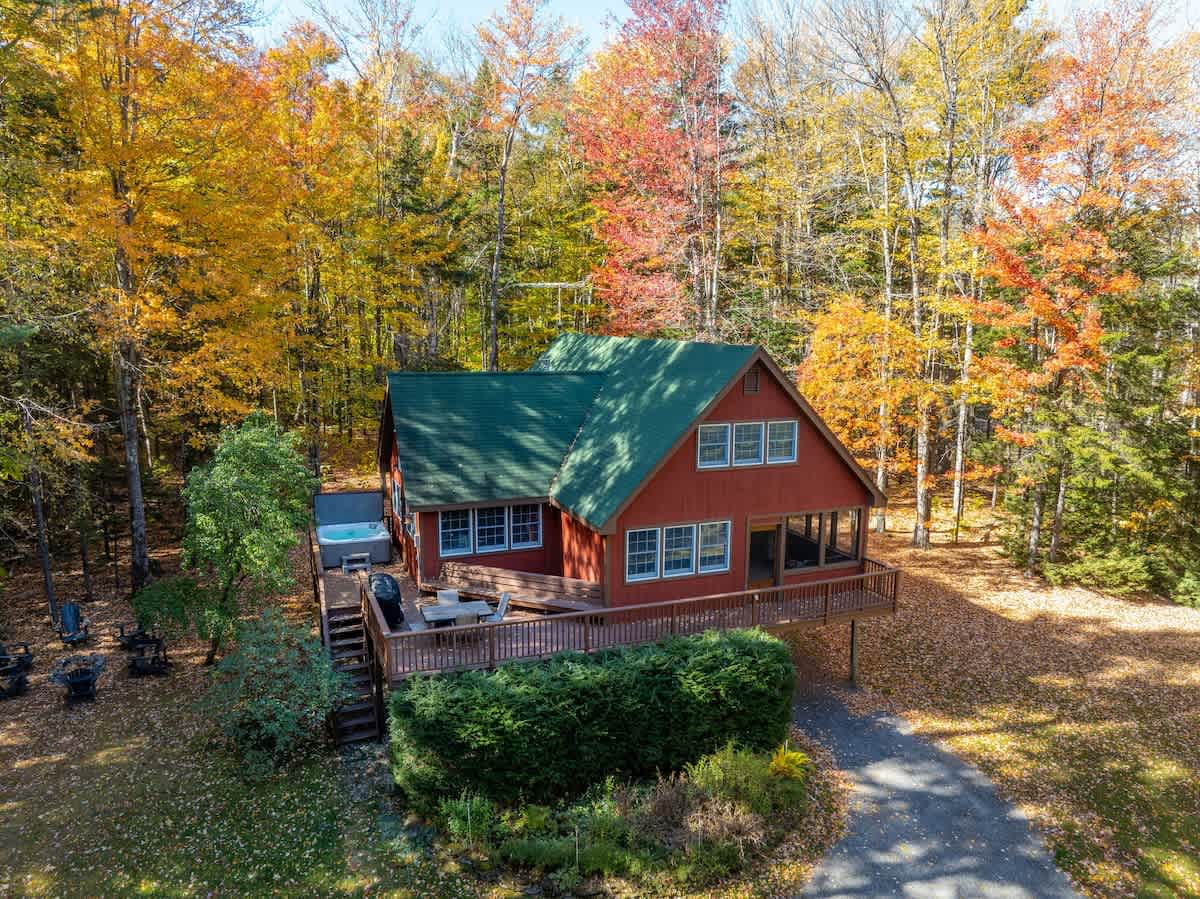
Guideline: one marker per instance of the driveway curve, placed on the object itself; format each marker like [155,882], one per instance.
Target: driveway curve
[923,823]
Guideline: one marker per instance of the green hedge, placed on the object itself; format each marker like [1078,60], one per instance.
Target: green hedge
[549,730]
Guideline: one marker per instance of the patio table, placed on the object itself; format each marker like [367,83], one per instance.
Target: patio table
[438,614]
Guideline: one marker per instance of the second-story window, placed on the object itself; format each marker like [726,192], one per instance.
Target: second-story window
[748,443]
[712,446]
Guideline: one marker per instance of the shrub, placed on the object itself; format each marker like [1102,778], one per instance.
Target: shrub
[1187,591]
[545,853]
[271,696]
[790,763]
[1111,572]
[750,779]
[471,820]
[174,606]
[549,730]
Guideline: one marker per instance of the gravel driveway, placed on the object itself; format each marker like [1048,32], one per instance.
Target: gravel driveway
[923,823]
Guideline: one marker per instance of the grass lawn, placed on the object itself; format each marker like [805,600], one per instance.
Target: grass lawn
[1084,708]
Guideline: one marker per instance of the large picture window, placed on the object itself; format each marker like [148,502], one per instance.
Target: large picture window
[491,529]
[454,532]
[822,538]
[781,441]
[526,526]
[748,443]
[641,554]
[712,450]
[679,550]
[714,546]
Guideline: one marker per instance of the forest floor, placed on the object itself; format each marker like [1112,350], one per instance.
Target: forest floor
[1084,709]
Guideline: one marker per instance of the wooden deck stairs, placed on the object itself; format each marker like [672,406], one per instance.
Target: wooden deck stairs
[344,634]
[356,719]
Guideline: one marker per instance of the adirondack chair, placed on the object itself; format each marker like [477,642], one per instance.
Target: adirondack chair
[13,681]
[132,635]
[21,659]
[78,674]
[149,658]
[72,626]
[501,609]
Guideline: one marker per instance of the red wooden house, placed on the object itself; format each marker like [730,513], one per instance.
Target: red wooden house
[657,469]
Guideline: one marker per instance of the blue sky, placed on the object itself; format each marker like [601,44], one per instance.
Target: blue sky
[589,16]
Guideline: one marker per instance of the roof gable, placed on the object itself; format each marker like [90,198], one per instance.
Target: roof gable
[480,436]
[652,392]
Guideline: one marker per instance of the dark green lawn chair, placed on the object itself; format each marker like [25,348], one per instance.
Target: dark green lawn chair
[72,626]
[16,654]
[79,675]
[149,658]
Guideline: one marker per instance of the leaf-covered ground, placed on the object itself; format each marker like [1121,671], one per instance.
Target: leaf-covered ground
[1085,709]
[124,796]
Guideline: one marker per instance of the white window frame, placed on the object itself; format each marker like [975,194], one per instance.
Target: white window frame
[442,551]
[511,520]
[479,549]
[728,525]
[728,446]
[795,441]
[691,569]
[650,576]
[762,443]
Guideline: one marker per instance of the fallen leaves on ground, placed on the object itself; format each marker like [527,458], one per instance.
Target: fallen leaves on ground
[1083,708]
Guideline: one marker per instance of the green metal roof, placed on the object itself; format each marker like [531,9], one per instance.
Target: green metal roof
[477,436]
[651,393]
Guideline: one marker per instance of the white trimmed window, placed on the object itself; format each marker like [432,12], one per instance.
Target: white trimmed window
[525,526]
[748,443]
[714,546]
[491,529]
[679,550]
[712,446]
[781,441]
[454,532]
[641,554]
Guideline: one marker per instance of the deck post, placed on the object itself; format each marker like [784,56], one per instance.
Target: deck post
[754,610]
[491,647]
[854,651]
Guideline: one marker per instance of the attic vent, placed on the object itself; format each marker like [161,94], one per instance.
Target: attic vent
[750,381]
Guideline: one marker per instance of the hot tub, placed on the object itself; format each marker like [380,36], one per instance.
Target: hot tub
[337,540]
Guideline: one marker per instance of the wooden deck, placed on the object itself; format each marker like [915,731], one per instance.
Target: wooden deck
[531,637]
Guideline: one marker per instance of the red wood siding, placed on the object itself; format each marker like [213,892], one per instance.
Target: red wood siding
[544,559]
[582,550]
[680,494]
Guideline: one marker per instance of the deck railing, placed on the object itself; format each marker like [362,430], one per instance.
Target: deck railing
[486,645]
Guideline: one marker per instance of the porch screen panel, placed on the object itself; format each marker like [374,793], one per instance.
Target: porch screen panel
[841,538]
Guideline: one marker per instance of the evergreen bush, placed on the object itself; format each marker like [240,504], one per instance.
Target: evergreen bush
[549,730]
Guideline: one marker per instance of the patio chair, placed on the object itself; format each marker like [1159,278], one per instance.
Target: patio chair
[78,674]
[150,658]
[22,660]
[72,626]
[13,681]
[447,597]
[131,635]
[501,609]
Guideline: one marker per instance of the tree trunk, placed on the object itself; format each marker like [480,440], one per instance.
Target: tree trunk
[960,432]
[83,526]
[493,359]
[1035,531]
[127,384]
[1059,506]
[39,516]
[921,525]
